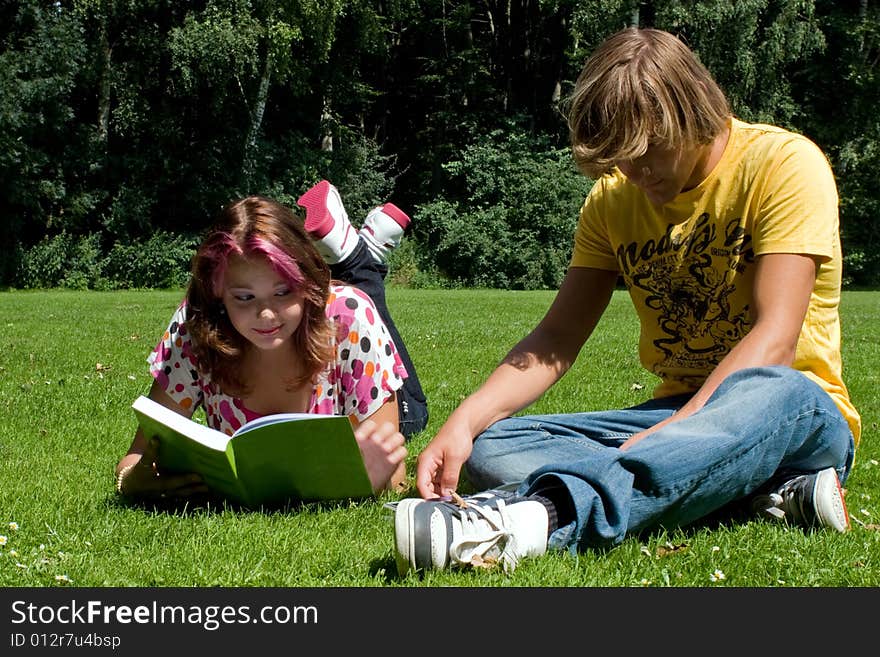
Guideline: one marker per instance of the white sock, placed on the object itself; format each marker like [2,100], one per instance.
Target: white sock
[383,229]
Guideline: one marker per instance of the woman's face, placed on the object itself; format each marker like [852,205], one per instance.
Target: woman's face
[261,305]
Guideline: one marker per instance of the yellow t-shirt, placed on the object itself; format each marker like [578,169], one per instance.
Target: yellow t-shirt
[689,265]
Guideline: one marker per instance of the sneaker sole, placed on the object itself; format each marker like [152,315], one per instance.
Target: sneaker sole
[830,505]
[319,221]
[403,535]
[412,518]
[399,216]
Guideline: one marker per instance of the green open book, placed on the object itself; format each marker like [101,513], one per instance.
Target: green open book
[270,460]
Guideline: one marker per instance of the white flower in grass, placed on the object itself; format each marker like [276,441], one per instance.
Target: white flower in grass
[13,553]
[3,540]
[42,546]
[62,578]
[13,526]
[717,576]
[645,582]
[715,548]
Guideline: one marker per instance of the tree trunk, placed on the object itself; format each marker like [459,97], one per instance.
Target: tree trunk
[326,127]
[104,85]
[256,114]
[634,16]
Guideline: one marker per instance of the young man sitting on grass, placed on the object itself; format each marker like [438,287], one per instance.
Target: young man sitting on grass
[726,237]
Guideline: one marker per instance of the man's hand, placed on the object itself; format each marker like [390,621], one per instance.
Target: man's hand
[440,463]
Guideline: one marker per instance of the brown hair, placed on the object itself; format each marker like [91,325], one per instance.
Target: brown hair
[261,226]
[641,87]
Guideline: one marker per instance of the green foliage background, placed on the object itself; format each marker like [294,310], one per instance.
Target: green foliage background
[125,124]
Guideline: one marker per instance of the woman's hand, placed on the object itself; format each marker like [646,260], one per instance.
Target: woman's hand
[138,476]
[383,451]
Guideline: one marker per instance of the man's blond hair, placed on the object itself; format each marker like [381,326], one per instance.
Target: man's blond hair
[641,87]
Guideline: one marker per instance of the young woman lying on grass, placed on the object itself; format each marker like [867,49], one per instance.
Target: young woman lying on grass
[267,326]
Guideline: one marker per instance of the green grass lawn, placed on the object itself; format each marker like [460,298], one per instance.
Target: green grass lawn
[71,363]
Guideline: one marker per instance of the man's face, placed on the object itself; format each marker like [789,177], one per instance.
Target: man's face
[662,174]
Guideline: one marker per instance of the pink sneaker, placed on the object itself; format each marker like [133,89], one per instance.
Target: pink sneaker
[401,217]
[327,222]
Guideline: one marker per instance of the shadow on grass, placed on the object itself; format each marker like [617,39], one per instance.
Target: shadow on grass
[386,569]
[208,505]
[732,515]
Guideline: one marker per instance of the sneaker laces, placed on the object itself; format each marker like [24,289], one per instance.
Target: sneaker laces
[485,538]
[770,504]
[785,501]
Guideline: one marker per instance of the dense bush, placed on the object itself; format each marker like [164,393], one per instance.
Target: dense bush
[514,229]
[62,261]
[860,205]
[160,261]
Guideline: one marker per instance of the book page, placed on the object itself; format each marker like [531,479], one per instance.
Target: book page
[271,419]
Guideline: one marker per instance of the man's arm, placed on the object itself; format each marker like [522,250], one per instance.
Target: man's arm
[782,288]
[527,372]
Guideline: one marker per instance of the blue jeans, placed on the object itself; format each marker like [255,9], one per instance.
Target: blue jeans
[759,423]
[361,270]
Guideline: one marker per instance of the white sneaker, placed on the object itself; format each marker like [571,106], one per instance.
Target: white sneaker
[809,500]
[480,530]
[383,229]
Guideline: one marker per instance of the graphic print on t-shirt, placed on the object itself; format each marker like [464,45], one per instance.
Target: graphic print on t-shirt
[687,279]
